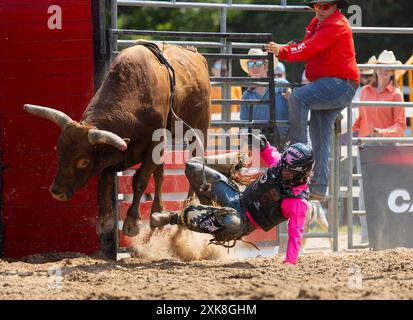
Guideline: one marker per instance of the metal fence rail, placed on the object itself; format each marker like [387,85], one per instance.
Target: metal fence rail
[199,35]
[386,66]
[200,5]
[380,140]
[201,44]
[385,30]
[382,104]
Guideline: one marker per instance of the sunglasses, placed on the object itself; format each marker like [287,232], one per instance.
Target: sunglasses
[324,7]
[252,64]
[218,66]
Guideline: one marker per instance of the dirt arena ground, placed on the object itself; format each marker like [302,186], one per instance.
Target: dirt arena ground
[168,268]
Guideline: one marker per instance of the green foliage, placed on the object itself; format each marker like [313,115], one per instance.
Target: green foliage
[164,19]
[284,26]
[384,13]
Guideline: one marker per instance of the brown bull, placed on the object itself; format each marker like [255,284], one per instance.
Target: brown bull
[115,131]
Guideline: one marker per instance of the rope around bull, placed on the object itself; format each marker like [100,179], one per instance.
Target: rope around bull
[171,74]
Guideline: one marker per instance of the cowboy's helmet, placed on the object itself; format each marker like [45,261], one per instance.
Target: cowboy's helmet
[299,158]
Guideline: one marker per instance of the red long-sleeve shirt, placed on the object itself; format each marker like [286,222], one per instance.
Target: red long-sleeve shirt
[327,49]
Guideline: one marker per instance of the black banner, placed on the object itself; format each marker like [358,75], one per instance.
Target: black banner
[387,173]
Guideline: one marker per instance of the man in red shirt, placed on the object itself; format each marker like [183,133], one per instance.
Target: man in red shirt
[331,68]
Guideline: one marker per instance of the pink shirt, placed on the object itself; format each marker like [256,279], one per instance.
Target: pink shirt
[392,120]
[293,209]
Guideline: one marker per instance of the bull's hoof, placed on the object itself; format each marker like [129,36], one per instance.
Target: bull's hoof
[105,224]
[131,227]
[156,208]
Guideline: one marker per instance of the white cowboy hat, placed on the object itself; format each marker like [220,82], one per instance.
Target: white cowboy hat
[387,57]
[372,60]
[255,52]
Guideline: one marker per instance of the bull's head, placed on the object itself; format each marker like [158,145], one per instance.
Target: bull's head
[77,156]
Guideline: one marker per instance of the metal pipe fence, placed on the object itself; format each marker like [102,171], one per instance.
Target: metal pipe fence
[202,44]
[382,104]
[386,66]
[385,30]
[225,6]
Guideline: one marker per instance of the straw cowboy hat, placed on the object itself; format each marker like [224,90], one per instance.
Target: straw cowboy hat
[255,52]
[387,57]
[368,72]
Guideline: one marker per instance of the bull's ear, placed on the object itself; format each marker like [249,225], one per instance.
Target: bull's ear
[96,136]
[127,140]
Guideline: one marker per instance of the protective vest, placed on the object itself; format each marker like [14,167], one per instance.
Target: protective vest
[263,198]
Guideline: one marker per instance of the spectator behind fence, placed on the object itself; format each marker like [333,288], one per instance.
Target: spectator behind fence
[331,68]
[279,71]
[366,76]
[220,69]
[379,121]
[382,121]
[257,68]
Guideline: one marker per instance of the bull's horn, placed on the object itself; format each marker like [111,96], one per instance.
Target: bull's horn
[58,117]
[101,136]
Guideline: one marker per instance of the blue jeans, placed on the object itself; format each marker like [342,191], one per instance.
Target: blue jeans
[325,97]
[226,195]
[221,190]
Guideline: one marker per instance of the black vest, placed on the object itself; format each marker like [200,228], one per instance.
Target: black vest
[263,198]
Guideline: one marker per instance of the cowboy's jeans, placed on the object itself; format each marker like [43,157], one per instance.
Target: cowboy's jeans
[325,97]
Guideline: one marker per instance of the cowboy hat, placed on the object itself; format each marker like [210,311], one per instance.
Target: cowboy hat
[367,72]
[387,57]
[341,4]
[255,52]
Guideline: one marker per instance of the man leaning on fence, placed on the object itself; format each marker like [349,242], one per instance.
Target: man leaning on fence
[328,52]
[258,68]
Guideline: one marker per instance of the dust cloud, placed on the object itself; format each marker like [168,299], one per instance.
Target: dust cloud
[177,243]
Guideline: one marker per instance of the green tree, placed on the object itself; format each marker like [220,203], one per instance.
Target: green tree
[284,26]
